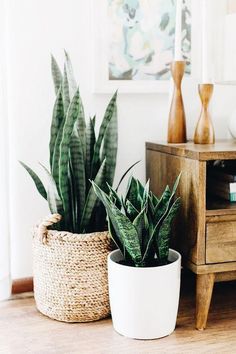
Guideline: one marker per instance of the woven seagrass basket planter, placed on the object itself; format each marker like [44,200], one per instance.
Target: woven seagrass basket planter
[70,273]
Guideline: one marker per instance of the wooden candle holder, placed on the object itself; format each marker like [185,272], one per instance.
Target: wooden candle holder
[177,124]
[204,133]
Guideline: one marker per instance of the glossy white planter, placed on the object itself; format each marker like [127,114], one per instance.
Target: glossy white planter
[144,301]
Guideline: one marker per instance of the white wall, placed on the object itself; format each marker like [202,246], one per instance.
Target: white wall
[37,28]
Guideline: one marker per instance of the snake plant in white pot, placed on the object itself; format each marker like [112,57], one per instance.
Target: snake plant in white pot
[70,246]
[143,274]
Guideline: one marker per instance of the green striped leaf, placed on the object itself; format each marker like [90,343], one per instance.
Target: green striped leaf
[106,120]
[146,192]
[64,149]
[70,76]
[139,224]
[54,201]
[146,233]
[161,205]
[90,142]
[65,91]
[37,181]
[122,227]
[56,155]
[57,119]
[176,184]
[163,239]
[114,197]
[92,198]
[81,127]
[110,147]
[115,237]
[130,210]
[127,233]
[78,165]
[133,193]
[153,201]
[73,200]
[158,223]
[56,74]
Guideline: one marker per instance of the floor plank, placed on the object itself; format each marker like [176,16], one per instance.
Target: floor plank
[23,330]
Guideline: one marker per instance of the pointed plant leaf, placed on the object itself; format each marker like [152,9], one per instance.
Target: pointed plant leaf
[130,210]
[54,201]
[92,198]
[70,76]
[139,224]
[133,194]
[103,197]
[145,194]
[56,74]
[56,155]
[176,183]
[161,205]
[81,127]
[64,149]
[141,188]
[110,145]
[37,181]
[122,226]
[151,206]
[90,142]
[147,232]
[127,232]
[57,118]
[78,165]
[65,91]
[163,239]
[125,174]
[115,237]
[158,223]
[154,199]
[105,122]
[114,196]
[73,199]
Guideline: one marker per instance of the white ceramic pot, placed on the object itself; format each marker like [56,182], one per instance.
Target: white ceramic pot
[144,301]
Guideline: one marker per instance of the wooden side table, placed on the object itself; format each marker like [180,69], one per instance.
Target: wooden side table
[205,233]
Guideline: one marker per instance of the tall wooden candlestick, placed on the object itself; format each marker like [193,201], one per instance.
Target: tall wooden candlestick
[204,133]
[177,124]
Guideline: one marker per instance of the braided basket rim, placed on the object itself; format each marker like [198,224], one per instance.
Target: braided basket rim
[75,237]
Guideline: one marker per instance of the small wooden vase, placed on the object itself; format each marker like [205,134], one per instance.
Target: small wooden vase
[204,133]
[177,124]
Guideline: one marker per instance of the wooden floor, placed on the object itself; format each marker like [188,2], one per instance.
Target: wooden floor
[24,330]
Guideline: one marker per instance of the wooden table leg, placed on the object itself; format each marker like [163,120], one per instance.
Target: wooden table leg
[205,283]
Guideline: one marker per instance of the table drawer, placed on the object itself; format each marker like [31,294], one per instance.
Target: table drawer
[221,242]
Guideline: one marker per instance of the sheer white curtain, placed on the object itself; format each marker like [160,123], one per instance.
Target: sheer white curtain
[5,279]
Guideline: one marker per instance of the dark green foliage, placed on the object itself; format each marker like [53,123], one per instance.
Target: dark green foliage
[76,155]
[140,223]
[38,183]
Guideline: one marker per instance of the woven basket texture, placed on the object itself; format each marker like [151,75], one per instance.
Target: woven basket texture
[70,275]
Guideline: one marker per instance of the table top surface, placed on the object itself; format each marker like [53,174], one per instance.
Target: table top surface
[222,149]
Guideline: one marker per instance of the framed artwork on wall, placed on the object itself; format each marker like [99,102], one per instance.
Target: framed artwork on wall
[134,44]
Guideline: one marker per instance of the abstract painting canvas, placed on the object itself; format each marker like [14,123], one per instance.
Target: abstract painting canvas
[138,42]
[141,38]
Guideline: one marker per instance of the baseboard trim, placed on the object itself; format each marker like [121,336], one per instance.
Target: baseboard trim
[22,285]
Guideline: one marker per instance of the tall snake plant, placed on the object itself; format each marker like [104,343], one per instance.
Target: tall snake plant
[140,223]
[77,156]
